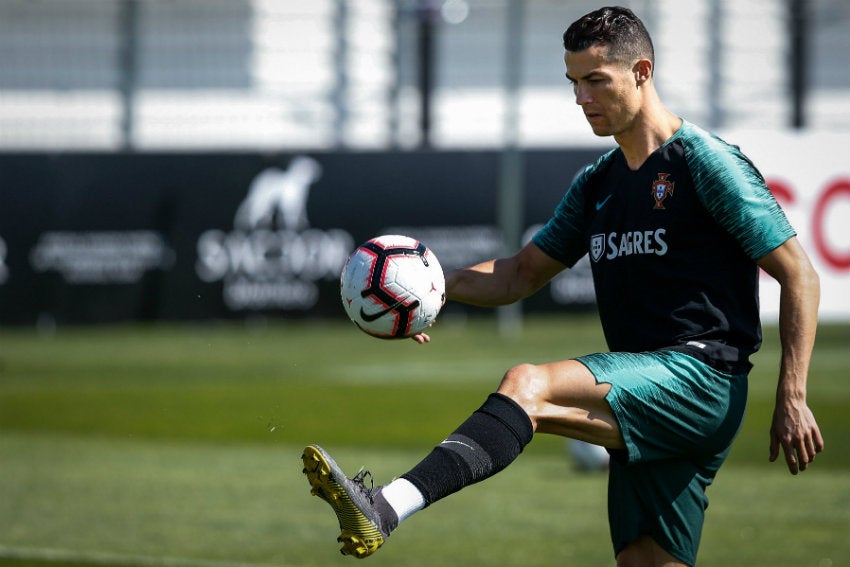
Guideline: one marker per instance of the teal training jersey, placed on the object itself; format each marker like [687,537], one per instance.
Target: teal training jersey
[673,246]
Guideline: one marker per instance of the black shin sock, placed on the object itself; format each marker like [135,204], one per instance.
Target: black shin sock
[483,445]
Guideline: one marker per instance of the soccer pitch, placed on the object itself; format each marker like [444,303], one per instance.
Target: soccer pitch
[180,446]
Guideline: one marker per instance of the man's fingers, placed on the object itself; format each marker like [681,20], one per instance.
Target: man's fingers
[818,440]
[791,458]
[421,338]
[811,450]
[800,441]
[774,448]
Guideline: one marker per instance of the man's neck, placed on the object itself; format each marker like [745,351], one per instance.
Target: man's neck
[650,130]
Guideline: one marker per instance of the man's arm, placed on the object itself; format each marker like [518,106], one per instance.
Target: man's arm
[794,427]
[500,282]
[503,281]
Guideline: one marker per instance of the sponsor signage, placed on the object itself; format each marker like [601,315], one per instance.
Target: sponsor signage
[100,237]
[272,258]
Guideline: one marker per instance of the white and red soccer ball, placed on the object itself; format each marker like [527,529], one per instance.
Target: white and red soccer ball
[392,287]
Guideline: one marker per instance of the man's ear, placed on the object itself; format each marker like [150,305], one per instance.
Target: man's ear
[642,70]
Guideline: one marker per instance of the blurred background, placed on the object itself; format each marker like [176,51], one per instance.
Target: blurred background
[181,182]
[147,146]
[273,75]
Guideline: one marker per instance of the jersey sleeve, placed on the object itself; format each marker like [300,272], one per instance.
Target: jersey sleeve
[562,237]
[735,194]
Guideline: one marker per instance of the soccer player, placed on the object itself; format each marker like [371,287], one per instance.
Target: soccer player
[677,224]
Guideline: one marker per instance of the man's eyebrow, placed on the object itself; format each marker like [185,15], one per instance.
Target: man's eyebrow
[587,76]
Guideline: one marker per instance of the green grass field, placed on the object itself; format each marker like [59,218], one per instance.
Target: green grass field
[179,446]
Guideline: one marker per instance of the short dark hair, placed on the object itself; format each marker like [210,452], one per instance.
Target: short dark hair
[614,26]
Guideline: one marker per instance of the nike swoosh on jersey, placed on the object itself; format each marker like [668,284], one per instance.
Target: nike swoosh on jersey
[600,204]
[369,317]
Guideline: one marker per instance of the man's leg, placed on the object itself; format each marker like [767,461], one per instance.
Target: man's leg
[561,398]
[678,417]
[568,401]
[490,439]
[487,442]
[564,398]
[646,551]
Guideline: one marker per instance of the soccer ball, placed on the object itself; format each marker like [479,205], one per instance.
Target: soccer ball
[392,287]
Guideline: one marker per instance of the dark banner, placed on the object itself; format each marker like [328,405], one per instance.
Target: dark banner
[123,237]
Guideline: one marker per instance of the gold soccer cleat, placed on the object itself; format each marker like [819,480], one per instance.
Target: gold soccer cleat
[361,527]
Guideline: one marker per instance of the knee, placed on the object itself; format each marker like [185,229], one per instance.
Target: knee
[525,384]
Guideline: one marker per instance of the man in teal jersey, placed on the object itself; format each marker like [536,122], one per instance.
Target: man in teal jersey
[676,223]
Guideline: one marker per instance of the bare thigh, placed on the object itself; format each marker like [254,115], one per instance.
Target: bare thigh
[563,398]
[645,551]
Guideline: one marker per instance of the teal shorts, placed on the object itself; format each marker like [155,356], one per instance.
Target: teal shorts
[678,417]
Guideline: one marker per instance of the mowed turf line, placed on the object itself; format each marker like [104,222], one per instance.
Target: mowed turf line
[174,445]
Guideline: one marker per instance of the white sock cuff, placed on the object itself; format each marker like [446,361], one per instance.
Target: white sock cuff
[404,498]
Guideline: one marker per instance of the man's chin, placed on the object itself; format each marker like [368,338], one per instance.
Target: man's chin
[602,132]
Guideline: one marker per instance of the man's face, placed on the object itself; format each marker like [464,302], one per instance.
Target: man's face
[606,90]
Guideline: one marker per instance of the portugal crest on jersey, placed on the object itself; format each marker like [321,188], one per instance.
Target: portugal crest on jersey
[661,188]
[597,246]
